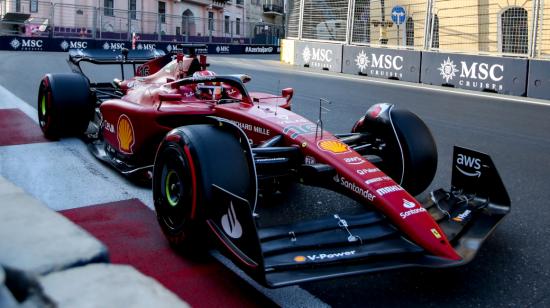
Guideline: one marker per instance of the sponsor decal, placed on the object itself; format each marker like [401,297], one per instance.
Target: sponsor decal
[143,70]
[253,128]
[113,45]
[222,49]
[468,162]
[477,75]
[463,216]
[323,256]
[297,130]
[309,160]
[144,46]
[109,127]
[386,190]
[376,110]
[262,49]
[125,134]
[379,179]
[435,233]
[354,160]
[367,171]
[408,204]
[15,43]
[353,187]
[73,45]
[27,44]
[230,224]
[412,212]
[333,146]
[317,57]
[380,64]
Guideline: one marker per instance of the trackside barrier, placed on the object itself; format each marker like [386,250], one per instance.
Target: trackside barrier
[478,73]
[16,43]
[538,85]
[382,63]
[504,75]
[323,56]
[287,51]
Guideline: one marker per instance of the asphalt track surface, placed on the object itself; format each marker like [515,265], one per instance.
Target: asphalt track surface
[511,269]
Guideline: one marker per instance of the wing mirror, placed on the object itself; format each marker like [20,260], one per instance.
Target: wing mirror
[287,93]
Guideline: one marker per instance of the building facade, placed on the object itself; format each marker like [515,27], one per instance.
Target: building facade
[228,21]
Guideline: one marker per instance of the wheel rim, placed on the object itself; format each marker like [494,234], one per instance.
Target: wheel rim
[172,188]
[44,109]
[43,105]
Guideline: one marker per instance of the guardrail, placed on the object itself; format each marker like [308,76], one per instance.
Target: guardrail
[494,74]
[18,43]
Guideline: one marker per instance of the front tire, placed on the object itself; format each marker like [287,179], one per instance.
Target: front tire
[175,194]
[409,156]
[190,161]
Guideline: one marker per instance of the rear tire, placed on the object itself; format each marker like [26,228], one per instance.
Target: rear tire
[64,106]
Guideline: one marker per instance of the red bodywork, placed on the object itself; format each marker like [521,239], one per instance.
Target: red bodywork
[135,125]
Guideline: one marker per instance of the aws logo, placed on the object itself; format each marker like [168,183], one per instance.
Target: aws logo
[464,162]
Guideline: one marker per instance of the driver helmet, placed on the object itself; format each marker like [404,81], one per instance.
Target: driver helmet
[208,89]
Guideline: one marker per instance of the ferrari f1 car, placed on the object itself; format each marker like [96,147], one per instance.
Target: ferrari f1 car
[212,148]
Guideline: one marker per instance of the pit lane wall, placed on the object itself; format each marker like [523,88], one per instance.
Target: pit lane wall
[496,74]
[17,43]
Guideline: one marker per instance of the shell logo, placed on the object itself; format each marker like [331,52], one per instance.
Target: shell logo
[333,146]
[299,259]
[125,134]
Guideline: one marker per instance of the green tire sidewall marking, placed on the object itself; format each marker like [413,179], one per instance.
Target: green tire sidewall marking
[167,189]
[43,105]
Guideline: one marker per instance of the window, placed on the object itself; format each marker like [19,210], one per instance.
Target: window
[34,6]
[133,9]
[18,6]
[238,26]
[435,32]
[409,32]
[514,31]
[162,11]
[178,31]
[108,7]
[227,23]
[211,21]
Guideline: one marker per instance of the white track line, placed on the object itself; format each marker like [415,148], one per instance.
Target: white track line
[9,100]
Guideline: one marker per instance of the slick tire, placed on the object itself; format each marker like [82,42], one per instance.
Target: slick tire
[410,155]
[188,162]
[65,107]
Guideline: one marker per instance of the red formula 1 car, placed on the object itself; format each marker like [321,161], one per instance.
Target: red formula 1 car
[216,147]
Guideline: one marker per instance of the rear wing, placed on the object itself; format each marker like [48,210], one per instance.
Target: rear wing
[101,56]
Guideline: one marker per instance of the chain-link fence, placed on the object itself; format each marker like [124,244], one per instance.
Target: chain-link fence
[382,23]
[487,27]
[37,18]
[542,46]
[325,20]
[512,28]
